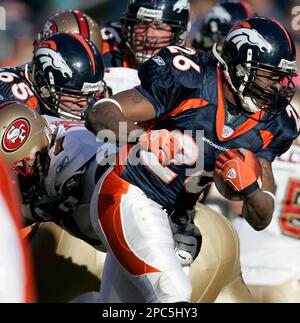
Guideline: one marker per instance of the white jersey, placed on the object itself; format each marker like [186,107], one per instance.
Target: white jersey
[272,256]
[71,177]
[119,79]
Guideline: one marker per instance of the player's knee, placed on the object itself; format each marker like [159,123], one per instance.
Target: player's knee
[174,287]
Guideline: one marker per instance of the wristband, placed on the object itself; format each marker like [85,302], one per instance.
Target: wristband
[248,190]
[115,102]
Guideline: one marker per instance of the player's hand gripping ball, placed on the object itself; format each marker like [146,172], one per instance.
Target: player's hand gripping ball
[237,172]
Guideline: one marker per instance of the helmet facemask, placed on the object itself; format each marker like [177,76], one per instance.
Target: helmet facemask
[267,88]
[66,103]
[143,46]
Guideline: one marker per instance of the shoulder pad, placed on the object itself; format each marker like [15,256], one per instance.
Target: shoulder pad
[128,76]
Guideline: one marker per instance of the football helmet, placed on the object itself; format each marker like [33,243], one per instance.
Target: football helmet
[25,139]
[174,13]
[67,67]
[258,59]
[217,22]
[71,21]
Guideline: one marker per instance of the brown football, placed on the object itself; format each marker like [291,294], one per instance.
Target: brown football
[225,190]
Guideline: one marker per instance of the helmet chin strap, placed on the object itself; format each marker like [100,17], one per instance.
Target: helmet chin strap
[68,115]
[249,105]
[140,57]
[246,101]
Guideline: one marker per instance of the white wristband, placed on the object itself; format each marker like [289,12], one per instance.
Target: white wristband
[272,195]
[115,102]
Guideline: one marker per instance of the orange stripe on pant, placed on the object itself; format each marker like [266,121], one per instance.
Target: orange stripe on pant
[110,195]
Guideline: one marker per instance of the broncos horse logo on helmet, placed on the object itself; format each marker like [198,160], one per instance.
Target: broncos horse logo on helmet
[50,57]
[217,22]
[218,12]
[250,36]
[181,5]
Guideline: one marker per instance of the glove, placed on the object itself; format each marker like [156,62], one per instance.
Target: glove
[240,169]
[188,245]
[187,238]
[163,143]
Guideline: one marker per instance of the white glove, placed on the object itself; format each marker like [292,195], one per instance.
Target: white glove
[188,240]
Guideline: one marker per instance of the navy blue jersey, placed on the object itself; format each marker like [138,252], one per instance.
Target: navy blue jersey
[185,89]
[114,49]
[14,86]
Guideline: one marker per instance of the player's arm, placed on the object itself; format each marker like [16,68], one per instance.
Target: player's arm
[121,109]
[259,205]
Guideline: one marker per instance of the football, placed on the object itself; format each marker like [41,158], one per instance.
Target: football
[227,191]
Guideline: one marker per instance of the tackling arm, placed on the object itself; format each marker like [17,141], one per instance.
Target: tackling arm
[126,107]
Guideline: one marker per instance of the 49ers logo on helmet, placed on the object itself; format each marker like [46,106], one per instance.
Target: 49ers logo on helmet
[16,134]
[49,29]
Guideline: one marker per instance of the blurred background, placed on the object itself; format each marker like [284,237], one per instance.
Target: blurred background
[24,18]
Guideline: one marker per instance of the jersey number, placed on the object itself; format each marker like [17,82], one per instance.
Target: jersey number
[20,90]
[183,63]
[188,156]
[289,219]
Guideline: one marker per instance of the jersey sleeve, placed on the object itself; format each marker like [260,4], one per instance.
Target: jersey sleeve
[289,130]
[15,87]
[274,150]
[165,83]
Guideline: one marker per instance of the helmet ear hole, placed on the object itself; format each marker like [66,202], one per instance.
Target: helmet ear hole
[240,71]
[45,93]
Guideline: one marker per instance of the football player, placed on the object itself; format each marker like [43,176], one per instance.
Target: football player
[240,100]
[57,169]
[117,79]
[145,28]
[55,82]
[218,21]
[270,259]
[64,245]
[74,21]
[57,181]
[17,283]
